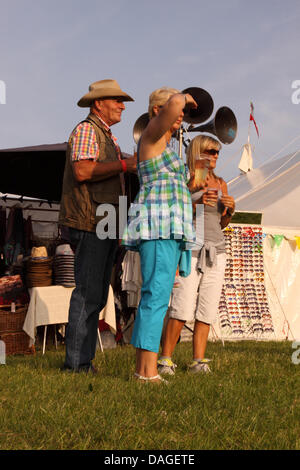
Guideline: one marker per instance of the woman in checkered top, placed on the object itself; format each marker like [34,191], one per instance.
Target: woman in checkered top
[160,223]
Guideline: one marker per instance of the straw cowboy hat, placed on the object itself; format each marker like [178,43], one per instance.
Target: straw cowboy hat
[39,252]
[103,89]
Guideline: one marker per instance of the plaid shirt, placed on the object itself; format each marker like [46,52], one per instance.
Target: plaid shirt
[162,209]
[85,145]
[84,142]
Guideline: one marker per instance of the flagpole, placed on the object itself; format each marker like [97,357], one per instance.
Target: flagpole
[246,158]
[249,125]
[252,118]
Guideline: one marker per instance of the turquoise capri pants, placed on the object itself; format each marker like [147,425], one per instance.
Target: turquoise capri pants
[159,261]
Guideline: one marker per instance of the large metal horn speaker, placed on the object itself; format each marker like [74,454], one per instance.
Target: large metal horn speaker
[204,109]
[223,126]
[139,126]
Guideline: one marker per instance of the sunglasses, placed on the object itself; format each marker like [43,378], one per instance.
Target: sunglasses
[238,332]
[212,152]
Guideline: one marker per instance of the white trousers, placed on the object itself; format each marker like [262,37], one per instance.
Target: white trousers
[198,295]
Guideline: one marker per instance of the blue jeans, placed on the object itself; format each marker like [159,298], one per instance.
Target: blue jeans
[93,266]
[159,261]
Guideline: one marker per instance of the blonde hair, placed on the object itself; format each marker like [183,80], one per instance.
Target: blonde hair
[198,145]
[159,97]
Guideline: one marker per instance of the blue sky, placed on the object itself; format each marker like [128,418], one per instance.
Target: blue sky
[237,50]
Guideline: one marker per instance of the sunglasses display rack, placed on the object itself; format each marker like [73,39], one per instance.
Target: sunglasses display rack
[243,309]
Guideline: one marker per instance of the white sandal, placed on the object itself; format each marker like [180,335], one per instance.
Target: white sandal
[155,379]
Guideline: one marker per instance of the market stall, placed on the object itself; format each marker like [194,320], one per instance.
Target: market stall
[36,260]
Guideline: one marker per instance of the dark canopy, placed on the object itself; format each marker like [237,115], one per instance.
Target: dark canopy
[33,171]
[38,172]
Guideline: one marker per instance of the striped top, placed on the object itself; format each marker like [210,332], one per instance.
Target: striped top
[162,209]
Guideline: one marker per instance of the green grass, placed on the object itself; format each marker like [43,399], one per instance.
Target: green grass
[250,401]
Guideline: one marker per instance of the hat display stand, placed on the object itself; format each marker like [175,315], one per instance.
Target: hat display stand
[39,268]
[63,266]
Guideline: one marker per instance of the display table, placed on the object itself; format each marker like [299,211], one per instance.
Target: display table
[50,306]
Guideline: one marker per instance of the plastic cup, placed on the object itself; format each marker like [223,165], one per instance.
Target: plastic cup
[202,164]
[214,192]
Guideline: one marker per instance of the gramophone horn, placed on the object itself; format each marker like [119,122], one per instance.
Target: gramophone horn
[204,109]
[139,126]
[223,126]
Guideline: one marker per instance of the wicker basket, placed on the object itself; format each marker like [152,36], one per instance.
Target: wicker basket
[12,321]
[16,343]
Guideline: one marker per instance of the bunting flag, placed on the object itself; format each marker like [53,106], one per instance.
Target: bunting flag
[298,242]
[252,117]
[278,239]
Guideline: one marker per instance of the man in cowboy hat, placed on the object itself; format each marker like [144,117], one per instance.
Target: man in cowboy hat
[94,174]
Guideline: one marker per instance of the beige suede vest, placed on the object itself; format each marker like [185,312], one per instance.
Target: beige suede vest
[80,200]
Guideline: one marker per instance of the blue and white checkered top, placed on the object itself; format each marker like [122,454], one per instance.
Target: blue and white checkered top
[162,209]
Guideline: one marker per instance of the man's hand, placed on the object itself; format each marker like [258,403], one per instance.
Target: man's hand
[87,170]
[131,164]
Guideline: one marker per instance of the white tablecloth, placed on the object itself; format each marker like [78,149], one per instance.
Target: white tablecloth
[50,306]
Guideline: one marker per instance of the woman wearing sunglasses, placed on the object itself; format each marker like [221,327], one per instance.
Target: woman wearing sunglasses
[197,296]
[160,223]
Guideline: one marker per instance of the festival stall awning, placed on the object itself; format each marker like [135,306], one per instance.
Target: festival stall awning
[33,171]
[38,171]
